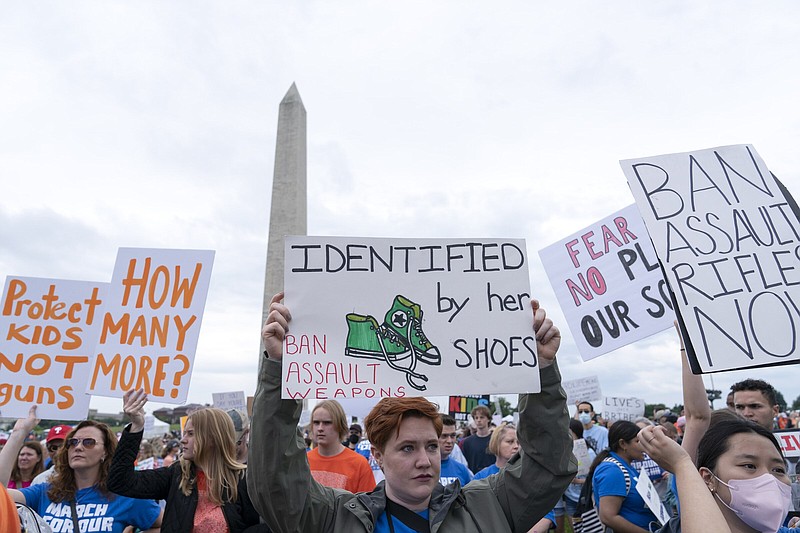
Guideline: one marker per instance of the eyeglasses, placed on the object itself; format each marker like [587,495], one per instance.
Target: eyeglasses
[88,443]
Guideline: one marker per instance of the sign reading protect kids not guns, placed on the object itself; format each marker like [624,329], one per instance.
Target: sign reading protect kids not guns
[406,317]
[48,329]
[151,323]
[730,246]
[609,284]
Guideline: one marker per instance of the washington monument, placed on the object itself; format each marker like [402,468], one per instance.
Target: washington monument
[288,211]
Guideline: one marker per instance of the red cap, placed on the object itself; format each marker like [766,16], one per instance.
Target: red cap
[58,432]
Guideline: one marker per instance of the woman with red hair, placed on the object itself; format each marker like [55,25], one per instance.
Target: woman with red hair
[404,433]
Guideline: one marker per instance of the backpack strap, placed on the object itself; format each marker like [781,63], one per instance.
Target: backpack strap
[624,470]
[408,517]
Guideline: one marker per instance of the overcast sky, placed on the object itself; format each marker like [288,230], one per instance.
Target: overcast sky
[152,124]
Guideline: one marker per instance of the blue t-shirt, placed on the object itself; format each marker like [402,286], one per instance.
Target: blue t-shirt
[596,437]
[382,524]
[486,472]
[96,511]
[608,480]
[453,470]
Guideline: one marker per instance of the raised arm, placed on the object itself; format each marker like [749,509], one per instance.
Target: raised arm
[699,511]
[695,402]
[279,480]
[123,479]
[534,480]
[9,453]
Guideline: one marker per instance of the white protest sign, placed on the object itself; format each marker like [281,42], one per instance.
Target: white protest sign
[146,464]
[581,452]
[149,423]
[399,317]
[789,441]
[151,323]
[609,284]
[582,389]
[229,400]
[48,329]
[728,240]
[629,409]
[651,498]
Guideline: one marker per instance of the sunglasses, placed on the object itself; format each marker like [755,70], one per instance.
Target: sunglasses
[88,443]
[53,448]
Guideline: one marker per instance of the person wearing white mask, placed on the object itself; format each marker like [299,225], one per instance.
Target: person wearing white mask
[595,435]
[740,484]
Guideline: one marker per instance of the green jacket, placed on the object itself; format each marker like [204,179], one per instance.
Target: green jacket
[280,485]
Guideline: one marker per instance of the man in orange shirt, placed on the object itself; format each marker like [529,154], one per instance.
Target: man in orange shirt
[333,464]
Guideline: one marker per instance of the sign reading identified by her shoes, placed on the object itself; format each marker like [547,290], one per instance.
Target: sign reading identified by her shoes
[407,317]
[730,246]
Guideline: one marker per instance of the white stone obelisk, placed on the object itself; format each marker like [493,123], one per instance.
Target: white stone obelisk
[288,211]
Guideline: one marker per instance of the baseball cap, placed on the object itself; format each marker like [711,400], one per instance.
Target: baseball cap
[58,432]
[357,428]
[240,421]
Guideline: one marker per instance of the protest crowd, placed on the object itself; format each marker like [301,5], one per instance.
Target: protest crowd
[407,467]
[410,467]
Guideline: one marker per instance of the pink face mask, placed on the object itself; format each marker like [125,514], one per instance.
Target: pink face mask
[761,502]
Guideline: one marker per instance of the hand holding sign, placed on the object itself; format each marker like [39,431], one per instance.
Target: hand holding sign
[133,405]
[548,338]
[275,328]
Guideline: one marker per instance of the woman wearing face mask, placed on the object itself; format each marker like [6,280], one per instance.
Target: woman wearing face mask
[618,503]
[503,445]
[741,487]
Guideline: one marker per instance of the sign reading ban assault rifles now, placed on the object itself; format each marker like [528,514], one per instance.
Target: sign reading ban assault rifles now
[407,317]
[730,246]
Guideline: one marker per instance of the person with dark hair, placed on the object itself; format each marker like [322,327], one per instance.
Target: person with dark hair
[77,490]
[405,441]
[451,469]
[476,446]
[30,463]
[619,504]
[741,486]
[755,400]
[594,434]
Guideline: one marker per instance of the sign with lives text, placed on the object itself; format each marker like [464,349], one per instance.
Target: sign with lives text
[730,247]
[615,408]
[407,317]
[151,323]
[48,329]
[609,283]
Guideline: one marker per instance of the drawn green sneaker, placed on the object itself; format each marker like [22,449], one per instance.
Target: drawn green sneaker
[366,339]
[405,318]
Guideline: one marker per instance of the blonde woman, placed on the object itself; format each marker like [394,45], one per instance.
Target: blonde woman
[205,490]
[503,445]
